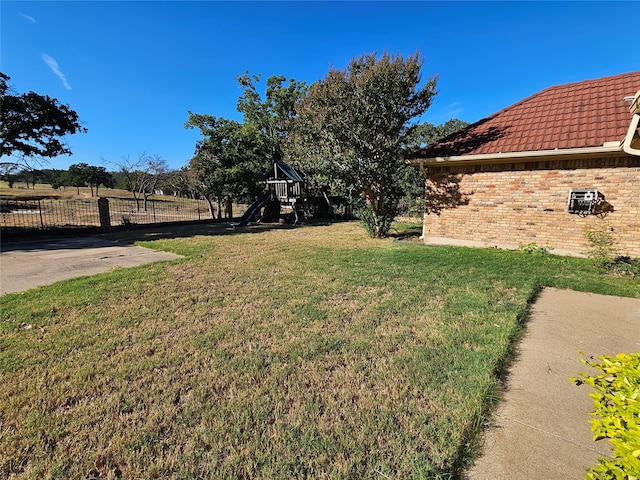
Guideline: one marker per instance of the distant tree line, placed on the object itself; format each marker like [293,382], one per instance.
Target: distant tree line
[77,175]
[146,176]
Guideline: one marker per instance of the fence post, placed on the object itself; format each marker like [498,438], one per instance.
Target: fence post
[103,212]
[40,213]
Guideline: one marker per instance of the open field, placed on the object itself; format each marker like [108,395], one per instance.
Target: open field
[20,191]
[310,352]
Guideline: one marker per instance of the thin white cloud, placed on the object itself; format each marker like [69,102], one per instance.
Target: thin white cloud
[53,65]
[28,17]
[454,109]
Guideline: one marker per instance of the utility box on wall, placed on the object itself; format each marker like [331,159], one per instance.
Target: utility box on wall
[584,201]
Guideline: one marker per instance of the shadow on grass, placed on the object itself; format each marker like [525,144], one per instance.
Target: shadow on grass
[66,240]
[406,232]
[164,232]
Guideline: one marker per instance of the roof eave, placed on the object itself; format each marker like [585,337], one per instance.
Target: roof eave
[509,157]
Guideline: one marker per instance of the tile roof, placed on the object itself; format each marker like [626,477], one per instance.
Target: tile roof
[574,115]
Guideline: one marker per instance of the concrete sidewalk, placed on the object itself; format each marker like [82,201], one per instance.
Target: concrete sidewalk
[25,265]
[541,429]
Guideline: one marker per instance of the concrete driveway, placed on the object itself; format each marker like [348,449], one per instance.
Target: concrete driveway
[25,265]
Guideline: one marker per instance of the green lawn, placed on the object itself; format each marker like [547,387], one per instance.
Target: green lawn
[312,352]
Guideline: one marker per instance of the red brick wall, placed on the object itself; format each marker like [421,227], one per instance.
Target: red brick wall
[520,203]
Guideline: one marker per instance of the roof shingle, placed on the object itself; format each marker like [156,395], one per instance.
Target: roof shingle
[573,115]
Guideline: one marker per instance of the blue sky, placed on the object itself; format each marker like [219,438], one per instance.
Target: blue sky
[132,70]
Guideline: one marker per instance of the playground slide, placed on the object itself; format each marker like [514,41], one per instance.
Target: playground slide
[251,211]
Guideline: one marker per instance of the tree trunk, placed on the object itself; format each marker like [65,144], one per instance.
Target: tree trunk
[228,210]
[374,204]
[211,208]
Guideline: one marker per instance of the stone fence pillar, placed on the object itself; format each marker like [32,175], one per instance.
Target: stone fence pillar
[103,211]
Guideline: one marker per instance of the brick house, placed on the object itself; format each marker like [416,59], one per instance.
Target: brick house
[541,170]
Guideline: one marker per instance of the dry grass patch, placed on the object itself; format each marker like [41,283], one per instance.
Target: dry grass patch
[288,353]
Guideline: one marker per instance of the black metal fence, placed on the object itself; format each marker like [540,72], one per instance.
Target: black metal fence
[48,214]
[127,211]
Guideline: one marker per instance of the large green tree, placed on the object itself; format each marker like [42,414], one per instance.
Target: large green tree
[352,124]
[230,160]
[82,174]
[97,176]
[273,115]
[32,127]
[78,176]
[233,157]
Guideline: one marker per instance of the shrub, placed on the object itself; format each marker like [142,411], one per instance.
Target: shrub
[617,406]
[600,244]
[623,265]
[533,249]
[377,228]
